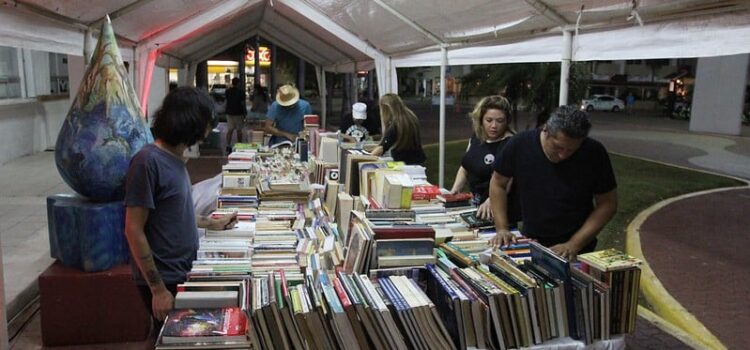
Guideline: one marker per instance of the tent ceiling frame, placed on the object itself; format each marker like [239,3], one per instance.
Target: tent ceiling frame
[410,22]
[315,16]
[44,12]
[273,38]
[314,35]
[74,24]
[277,41]
[546,11]
[182,27]
[206,51]
[122,11]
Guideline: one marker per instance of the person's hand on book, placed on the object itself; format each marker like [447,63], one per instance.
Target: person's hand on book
[225,222]
[566,250]
[502,238]
[485,210]
[162,301]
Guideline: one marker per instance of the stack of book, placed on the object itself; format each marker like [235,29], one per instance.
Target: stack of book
[346,311]
[377,245]
[239,174]
[237,201]
[281,190]
[213,294]
[458,200]
[219,328]
[497,305]
[622,274]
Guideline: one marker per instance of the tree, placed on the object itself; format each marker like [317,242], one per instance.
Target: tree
[531,87]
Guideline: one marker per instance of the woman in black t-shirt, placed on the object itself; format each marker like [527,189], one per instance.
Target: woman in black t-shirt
[491,121]
[401,135]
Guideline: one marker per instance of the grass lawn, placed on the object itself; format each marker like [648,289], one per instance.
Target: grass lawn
[640,184]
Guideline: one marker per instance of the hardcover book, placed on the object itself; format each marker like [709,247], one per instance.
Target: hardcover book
[205,325]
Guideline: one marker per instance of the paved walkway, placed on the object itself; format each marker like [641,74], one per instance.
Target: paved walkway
[695,245]
[25,183]
[697,248]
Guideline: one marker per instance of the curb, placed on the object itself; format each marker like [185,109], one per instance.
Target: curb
[669,314]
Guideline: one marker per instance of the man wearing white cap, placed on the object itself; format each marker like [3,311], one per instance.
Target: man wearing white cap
[358,132]
[286,115]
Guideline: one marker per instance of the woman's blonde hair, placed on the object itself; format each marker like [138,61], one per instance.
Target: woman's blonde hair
[489,102]
[393,112]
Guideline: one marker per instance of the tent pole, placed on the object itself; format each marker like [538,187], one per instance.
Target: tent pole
[567,50]
[323,96]
[355,84]
[443,63]
[256,62]
[4,345]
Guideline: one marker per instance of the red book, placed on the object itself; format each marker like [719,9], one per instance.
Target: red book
[373,203]
[345,302]
[458,197]
[312,120]
[422,192]
[284,287]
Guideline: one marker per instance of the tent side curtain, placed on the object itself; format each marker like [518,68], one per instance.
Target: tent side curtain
[386,72]
[545,49]
[30,31]
[704,36]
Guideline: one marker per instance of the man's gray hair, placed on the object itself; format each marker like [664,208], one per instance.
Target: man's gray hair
[573,122]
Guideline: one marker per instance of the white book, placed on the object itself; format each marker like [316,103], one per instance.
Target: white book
[206,299]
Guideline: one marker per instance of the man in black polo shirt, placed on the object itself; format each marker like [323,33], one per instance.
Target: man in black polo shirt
[565,179]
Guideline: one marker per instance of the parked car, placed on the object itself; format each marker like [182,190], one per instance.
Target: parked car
[602,103]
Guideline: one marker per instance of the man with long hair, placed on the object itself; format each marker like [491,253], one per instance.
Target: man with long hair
[160,222]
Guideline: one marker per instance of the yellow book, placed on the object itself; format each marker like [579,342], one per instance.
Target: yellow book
[407,188]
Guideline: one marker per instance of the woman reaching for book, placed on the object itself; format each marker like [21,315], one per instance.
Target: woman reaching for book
[401,135]
[491,121]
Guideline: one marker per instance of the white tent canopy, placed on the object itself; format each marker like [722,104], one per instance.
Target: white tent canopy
[335,34]
[344,35]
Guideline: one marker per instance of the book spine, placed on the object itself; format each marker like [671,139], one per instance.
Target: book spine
[433,271]
[390,291]
[345,302]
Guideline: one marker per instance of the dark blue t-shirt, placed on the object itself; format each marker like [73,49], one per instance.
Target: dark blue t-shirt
[290,119]
[556,198]
[158,181]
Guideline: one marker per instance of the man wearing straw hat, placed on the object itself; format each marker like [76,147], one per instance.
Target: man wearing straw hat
[286,115]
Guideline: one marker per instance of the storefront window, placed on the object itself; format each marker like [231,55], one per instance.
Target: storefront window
[10,80]
[58,70]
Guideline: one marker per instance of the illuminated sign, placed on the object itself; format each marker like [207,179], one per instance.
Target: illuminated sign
[264,58]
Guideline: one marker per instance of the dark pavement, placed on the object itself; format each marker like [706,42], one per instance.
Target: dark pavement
[698,249]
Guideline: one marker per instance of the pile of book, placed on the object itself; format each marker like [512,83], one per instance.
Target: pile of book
[458,200]
[497,305]
[220,328]
[345,311]
[375,245]
[622,274]
[378,258]
[208,315]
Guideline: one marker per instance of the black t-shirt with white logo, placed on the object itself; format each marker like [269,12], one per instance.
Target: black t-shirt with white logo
[556,198]
[478,164]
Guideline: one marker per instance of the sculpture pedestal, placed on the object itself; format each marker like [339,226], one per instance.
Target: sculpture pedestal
[85,308]
[86,235]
